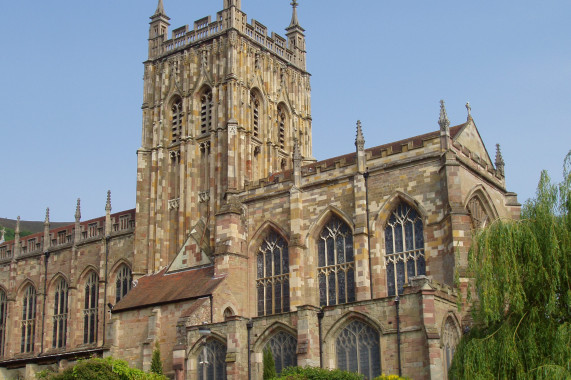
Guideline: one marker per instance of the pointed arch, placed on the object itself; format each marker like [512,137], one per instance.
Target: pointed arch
[215,349]
[123,280]
[449,338]
[281,340]
[23,285]
[90,306]
[28,321]
[272,329]
[391,203]
[319,222]
[347,318]
[205,101]
[283,125]
[258,108]
[175,114]
[59,307]
[85,272]
[59,275]
[480,206]
[263,230]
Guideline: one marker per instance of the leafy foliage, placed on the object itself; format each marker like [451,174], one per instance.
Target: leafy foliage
[101,369]
[315,373]
[10,233]
[521,273]
[269,365]
[156,362]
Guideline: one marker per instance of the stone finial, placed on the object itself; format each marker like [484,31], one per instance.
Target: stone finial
[360,139]
[78,211]
[499,161]
[443,120]
[469,109]
[47,220]
[17,230]
[2,235]
[160,9]
[108,204]
[294,21]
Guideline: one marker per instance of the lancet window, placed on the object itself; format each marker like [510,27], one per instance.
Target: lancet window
[90,309]
[450,339]
[206,106]
[283,347]
[123,282]
[336,263]
[176,120]
[477,212]
[404,244]
[60,314]
[255,105]
[3,315]
[215,363]
[358,350]
[273,275]
[281,122]
[28,323]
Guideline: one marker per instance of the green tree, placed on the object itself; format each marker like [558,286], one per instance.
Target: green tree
[521,272]
[156,362]
[269,365]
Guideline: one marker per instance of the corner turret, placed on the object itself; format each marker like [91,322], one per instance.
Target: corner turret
[232,3]
[296,37]
[158,30]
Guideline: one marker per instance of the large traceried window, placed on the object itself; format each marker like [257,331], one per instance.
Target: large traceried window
[215,361]
[273,275]
[206,106]
[255,105]
[450,339]
[28,320]
[477,212]
[90,309]
[176,120]
[3,315]
[358,350]
[123,282]
[281,122]
[283,347]
[336,263]
[404,244]
[60,314]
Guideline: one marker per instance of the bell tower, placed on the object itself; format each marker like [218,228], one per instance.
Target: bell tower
[224,103]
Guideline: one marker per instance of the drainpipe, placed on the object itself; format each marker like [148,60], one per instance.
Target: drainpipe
[249,326]
[366,176]
[319,319]
[46,258]
[397,301]
[107,238]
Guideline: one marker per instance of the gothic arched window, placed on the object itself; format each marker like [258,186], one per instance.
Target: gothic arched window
[255,105]
[206,106]
[450,339]
[283,347]
[90,309]
[123,282]
[358,350]
[281,122]
[28,320]
[273,275]
[477,212]
[215,361]
[404,244]
[176,120]
[3,315]
[336,263]
[60,314]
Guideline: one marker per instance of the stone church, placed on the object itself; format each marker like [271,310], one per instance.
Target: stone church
[241,241]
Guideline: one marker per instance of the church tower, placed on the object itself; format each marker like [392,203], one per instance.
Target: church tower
[223,105]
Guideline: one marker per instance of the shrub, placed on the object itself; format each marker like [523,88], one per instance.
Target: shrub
[315,373]
[269,365]
[156,362]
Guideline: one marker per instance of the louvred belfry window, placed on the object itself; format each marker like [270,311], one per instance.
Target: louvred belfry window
[123,282]
[176,120]
[28,320]
[60,314]
[206,112]
[336,263]
[404,245]
[273,275]
[255,104]
[90,310]
[281,127]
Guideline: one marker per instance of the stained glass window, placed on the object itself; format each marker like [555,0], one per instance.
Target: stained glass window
[123,282]
[90,310]
[3,315]
[404,245]
[28,320]
[358,350]
[273,275]
[215,362]
[206,111]
[60,314]
[283,347]
[336,264]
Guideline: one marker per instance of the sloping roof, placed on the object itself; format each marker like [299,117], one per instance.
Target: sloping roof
[162,288]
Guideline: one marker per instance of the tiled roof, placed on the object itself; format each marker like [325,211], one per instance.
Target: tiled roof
[162,288]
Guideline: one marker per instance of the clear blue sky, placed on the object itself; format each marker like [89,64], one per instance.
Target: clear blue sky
[71,86]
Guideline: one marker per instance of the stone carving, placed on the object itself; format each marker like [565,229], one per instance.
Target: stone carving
[173,204]
[232,130]
[204,196]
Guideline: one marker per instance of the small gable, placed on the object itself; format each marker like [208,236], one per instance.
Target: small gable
[469,137]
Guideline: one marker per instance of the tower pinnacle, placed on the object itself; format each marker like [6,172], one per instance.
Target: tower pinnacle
[294,21]
[160,9]
[443,120]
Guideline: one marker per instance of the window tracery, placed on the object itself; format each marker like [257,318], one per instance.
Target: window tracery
[336,263]
[358,350]
[404,244]
[283,347]
[273,275]
[28,323]
[478,214]
[90,310]
[215,362]
[60,314]
[123,282]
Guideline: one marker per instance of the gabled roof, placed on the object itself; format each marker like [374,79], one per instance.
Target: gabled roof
[162,288]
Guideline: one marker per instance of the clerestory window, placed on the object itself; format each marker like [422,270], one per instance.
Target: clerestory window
[28,323]
[90,309]
[404,244]
[273,275]
[60,314]
[123,282]
[336,263]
